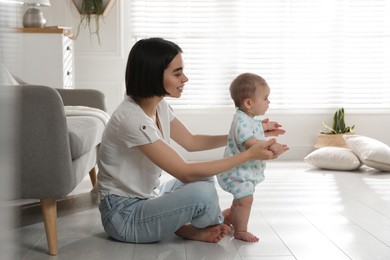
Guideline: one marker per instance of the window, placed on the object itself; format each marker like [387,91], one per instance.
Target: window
[314,54]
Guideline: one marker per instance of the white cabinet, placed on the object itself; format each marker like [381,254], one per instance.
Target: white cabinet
[47,58]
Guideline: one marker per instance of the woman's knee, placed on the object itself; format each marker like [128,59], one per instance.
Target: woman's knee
[205,191]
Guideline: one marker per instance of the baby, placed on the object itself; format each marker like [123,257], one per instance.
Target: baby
[250,94]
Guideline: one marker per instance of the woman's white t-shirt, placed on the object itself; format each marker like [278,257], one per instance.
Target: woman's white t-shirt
[123,169]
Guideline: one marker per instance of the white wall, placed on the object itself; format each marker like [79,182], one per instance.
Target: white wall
[102,67]
[97,66]
[301,128]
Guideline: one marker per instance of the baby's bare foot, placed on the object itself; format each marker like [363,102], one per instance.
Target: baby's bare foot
[245,236]
[211,234]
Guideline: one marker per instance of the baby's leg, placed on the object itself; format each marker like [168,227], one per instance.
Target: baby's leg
[239,217]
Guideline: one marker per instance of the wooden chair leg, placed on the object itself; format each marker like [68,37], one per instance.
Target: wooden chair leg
[92,175]
[49,211]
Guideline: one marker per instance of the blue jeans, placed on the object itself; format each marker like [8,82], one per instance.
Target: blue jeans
[150,220]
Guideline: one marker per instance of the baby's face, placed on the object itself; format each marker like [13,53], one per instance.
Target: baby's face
[260,100]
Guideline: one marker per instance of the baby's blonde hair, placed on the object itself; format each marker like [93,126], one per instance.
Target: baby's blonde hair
[244,86]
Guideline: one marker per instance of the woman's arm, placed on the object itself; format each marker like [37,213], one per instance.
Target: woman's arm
[274,147]
[181,135]
[164,156]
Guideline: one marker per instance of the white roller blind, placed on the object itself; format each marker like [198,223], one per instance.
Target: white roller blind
[313,53]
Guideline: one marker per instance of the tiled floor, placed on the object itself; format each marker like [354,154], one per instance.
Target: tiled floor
[299,213]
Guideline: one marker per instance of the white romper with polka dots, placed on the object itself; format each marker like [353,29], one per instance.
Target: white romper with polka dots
[241,180]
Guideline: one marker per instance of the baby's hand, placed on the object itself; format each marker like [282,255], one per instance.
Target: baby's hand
[272,128]
[277,148]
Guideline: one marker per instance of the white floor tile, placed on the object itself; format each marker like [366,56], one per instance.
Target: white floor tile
[299,213]
[173,248]
[225,250]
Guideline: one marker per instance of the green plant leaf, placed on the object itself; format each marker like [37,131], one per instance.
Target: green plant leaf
[91,9]
[338,124]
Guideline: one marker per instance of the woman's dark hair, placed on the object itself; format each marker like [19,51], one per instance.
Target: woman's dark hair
[145,67]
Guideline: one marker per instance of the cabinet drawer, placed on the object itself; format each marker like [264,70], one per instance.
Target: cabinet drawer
[48,58]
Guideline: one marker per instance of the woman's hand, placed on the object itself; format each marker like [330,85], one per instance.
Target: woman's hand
[272,128]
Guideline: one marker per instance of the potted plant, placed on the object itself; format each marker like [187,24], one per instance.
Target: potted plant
[334,137]
[90,11]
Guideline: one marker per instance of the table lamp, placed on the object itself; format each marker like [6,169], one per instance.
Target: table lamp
[33,17]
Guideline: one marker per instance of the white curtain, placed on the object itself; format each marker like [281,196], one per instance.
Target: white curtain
[315,54]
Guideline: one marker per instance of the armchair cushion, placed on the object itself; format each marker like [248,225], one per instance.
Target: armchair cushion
[85,133]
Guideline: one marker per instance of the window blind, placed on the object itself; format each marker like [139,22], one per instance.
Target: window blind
[10,42]
[314,54]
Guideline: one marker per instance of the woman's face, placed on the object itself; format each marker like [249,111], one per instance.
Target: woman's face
[174,77]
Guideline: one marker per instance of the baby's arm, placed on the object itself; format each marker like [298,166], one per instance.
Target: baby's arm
[248,143]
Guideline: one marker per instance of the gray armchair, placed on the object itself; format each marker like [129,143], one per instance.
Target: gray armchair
[56,151]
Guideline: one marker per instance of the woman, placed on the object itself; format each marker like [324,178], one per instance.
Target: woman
[135,149]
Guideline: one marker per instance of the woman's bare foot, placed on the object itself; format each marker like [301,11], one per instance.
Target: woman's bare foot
[211,234]
[245,236]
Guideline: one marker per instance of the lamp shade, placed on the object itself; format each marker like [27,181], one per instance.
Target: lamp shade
[37,2]
[33,17]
